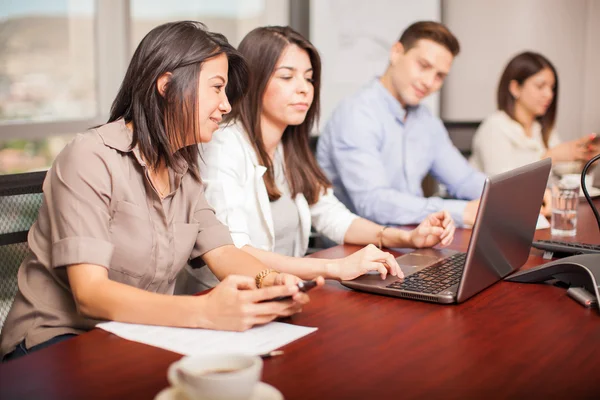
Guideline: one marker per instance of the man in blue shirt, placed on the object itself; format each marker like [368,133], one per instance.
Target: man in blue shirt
[380,143]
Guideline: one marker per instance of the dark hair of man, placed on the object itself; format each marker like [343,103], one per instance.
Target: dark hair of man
[161,123]
[429,30]
[519,69]
[262,48]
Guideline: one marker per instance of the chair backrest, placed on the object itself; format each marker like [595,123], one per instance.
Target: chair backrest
[20,201]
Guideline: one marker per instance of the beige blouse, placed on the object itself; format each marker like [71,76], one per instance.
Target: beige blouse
[100,208]
[500,144]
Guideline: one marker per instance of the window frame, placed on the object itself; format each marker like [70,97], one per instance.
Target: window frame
[111,35]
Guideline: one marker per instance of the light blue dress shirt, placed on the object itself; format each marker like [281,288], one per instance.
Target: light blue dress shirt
[376,159]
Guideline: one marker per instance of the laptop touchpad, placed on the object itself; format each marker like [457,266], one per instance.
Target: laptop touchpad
[411,263]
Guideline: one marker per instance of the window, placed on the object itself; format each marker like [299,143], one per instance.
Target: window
[47,66]
[62,62]
[232,18]
[22,155]
[47,77]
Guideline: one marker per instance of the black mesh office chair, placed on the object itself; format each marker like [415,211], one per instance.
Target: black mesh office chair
[20,201]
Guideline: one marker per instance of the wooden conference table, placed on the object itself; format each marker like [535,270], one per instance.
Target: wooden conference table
[510,341]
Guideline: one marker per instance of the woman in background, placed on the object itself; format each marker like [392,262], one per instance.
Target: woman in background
[124,210]
[522,130]
[265,183]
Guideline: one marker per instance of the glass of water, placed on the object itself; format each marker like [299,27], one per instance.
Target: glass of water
[565,199]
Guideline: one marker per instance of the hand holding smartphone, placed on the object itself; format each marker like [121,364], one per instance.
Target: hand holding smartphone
[303,286]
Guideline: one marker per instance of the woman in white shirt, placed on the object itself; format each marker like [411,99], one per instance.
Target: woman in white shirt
[522,130]
[265,184]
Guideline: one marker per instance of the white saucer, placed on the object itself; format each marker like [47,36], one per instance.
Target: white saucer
[592,191]
[262,391]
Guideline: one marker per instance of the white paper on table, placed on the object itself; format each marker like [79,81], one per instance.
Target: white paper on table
[542,222]
[189,341]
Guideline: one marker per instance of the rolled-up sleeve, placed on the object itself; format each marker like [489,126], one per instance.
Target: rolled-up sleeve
[77,194]
[331,218]
[211,232]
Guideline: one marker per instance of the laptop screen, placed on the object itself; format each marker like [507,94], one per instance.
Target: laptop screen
[505,225]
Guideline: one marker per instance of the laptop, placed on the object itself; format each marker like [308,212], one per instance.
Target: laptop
[500,244]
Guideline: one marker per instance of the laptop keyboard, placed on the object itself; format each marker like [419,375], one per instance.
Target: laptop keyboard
[435,278]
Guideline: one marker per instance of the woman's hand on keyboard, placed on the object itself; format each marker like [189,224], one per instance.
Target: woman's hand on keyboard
[370,258]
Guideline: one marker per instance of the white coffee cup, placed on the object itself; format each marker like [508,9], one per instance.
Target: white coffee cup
[218,377]
[589,180]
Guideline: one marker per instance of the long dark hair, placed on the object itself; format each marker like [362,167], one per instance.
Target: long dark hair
[262,48]
[519,69]
[161,124]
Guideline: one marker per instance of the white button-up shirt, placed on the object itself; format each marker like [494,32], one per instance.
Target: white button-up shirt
[234,186]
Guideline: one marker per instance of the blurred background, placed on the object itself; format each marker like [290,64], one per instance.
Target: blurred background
[62,61]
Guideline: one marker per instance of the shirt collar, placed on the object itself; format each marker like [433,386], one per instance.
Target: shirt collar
[118,136]
[391,102]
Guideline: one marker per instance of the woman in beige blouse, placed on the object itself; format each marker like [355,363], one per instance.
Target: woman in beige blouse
[124,209]
[522,130]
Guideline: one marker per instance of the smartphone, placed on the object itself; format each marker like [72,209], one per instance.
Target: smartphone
[303,286]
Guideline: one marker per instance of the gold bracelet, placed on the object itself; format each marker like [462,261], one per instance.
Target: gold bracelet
[258,279]
[380,236]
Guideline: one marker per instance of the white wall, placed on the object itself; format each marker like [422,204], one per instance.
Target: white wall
[354,38]
[493,31]
[275,12]
[591,86]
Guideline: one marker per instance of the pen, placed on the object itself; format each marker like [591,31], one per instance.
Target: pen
[270,354]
